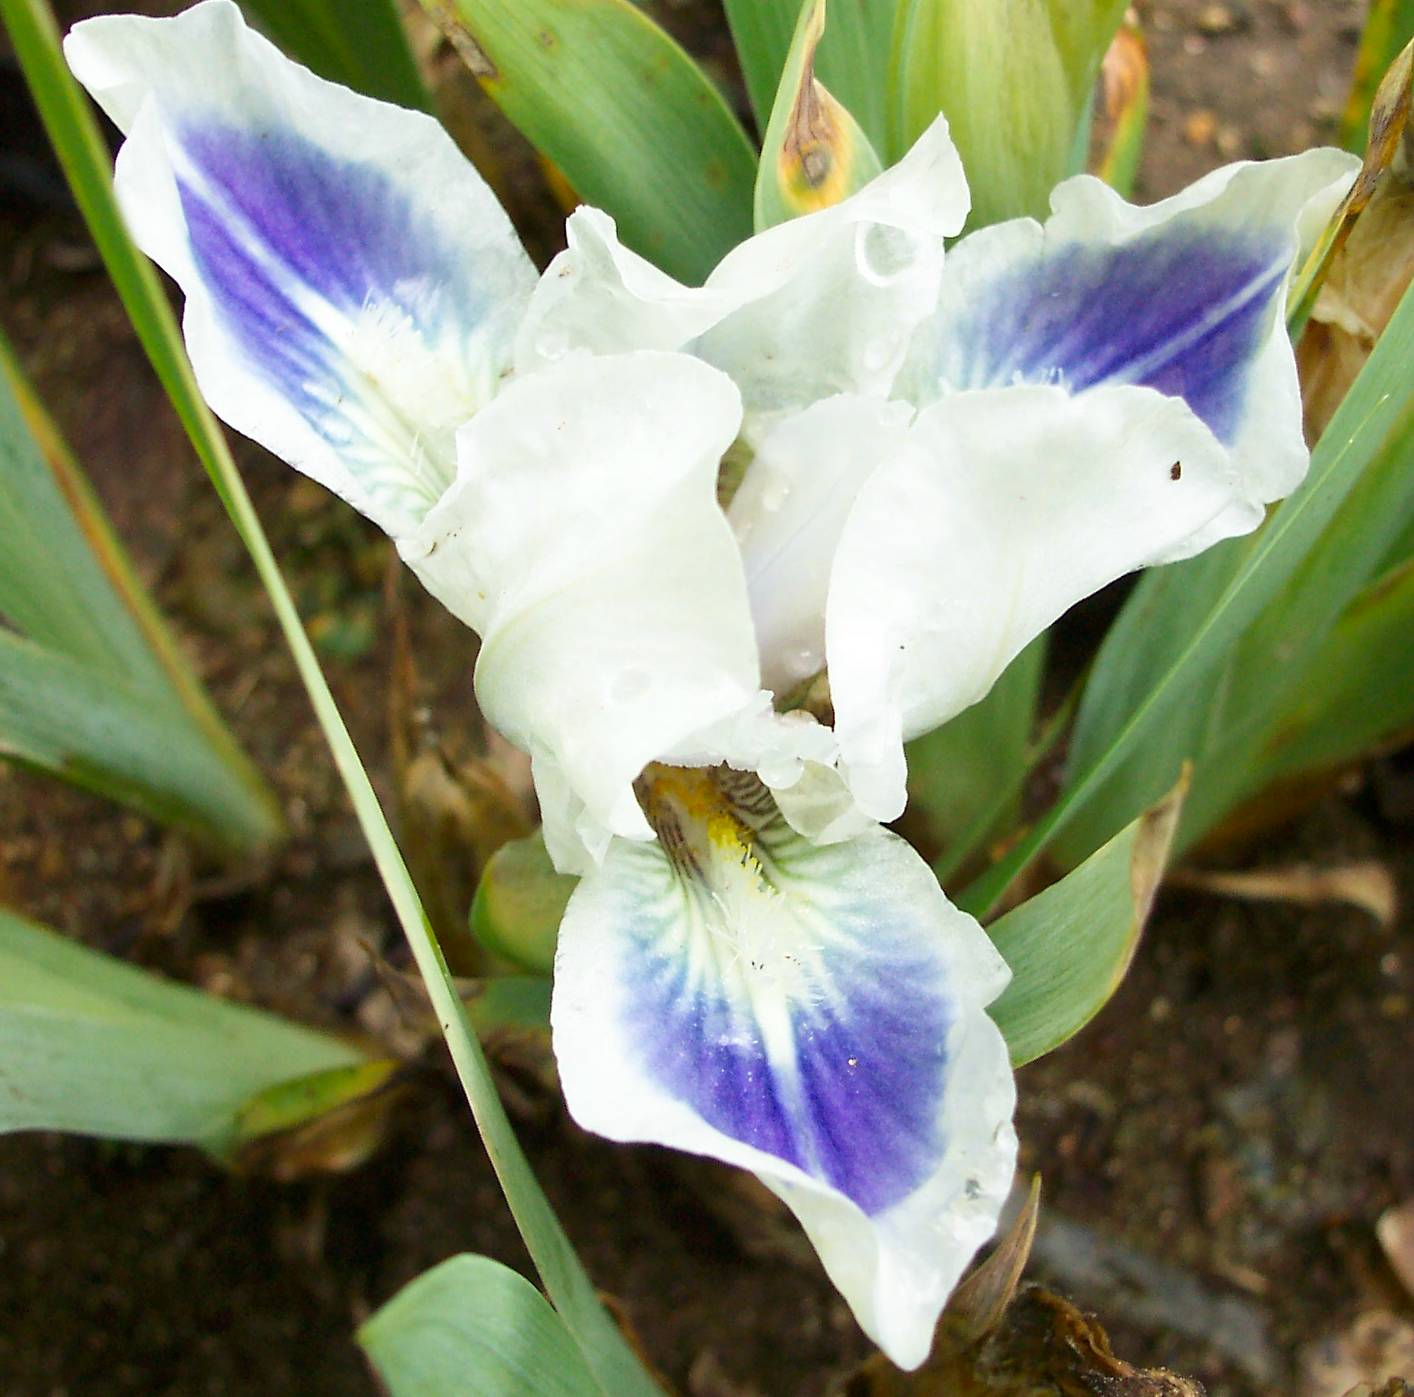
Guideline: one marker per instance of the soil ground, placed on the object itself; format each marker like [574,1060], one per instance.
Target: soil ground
[1216,1148]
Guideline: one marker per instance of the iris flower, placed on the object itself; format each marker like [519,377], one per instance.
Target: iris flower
[727,548]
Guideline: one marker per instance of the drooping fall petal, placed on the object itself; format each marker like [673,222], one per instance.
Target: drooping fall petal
[813,1014]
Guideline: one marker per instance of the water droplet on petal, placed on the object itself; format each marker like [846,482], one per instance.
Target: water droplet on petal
[774,496]
[884,254]
[800,664]
[880,353]
[552,344]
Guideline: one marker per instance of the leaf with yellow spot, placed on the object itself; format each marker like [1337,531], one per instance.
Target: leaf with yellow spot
[815,153]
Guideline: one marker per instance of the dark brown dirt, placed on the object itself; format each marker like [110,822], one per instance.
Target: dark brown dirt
[1225,1136]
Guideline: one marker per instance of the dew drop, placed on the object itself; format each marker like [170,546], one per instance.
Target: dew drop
[878,353]
[774,496]
[800,664]
[552,344]
[884,254]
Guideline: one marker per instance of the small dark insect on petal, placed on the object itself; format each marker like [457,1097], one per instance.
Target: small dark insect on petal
[1176,471]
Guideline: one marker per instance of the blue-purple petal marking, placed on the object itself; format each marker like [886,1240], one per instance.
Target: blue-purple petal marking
[281,230]
[1183,311]
[841,1074]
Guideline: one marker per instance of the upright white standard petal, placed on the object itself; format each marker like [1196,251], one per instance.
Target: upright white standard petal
[352,286]
[820,305]
[1009,506]
[788,514]
[1186,296]
[816,1015]
[583,541]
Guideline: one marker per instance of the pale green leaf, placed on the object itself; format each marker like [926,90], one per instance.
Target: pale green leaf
[94,729]
[94,688]
[1070,946]
[1013,77]
[90,1045]
[814,153]
[52,586]
[519,903]
[515,1004]
[75,136]
[472,1327]
[965,779]
[630,120]
[290,1104]
[1349,694]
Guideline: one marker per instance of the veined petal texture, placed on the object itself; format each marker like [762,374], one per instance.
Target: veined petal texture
[815,1014]
[819,305]
[352,286]
[583,541]
[1186,296]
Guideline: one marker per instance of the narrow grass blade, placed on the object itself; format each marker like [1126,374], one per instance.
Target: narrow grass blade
[1070,946]
[360,43]
[814,153]
[631,121]
[473,1328]
[1164,659]
[75,136]
[91,1045]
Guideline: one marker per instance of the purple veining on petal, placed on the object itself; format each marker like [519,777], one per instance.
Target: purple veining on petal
[708,1054]
[275,222]
[1179,310]
[872,1076]
[856,1102]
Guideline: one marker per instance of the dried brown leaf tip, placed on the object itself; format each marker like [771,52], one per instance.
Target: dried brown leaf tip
[1368,885]
[1385,155]
[995,1342]
[979,1304]
[1149,860]
[461,39]
[1044,1347]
